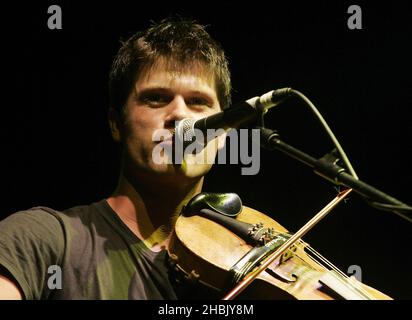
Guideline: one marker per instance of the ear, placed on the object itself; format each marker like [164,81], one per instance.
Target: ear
[114,123]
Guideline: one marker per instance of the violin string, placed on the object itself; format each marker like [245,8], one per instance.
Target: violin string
[343,275]
[321,258]
[340,273]
[306,245]
[327,262]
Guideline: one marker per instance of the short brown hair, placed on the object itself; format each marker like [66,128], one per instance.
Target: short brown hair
[183,42]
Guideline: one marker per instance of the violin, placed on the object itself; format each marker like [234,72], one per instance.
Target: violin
[217,241]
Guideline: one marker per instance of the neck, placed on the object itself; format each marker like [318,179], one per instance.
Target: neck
[150,209]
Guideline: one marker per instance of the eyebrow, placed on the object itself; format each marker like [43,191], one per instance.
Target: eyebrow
[155,89]
[161,89]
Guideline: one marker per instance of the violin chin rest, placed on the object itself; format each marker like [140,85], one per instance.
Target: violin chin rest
[227,204]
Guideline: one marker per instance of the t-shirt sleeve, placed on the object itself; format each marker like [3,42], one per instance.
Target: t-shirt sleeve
[30,243]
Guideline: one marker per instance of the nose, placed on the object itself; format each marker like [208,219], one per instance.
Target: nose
[176,111]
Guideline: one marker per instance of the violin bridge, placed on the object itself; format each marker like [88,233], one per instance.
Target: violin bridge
[288,254]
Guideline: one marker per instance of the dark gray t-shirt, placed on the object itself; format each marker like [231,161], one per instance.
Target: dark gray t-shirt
[98,255]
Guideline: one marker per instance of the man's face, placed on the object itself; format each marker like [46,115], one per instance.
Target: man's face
[160,98]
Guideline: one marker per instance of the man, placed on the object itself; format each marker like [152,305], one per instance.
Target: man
[115,248]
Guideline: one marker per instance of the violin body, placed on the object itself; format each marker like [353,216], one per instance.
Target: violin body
[203,251]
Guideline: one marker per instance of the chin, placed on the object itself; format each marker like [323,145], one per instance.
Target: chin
[181,171]
[194,170]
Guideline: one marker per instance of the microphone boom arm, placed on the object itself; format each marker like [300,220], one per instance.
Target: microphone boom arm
[336,174]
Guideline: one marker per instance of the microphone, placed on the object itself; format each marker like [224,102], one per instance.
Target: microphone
[240,114]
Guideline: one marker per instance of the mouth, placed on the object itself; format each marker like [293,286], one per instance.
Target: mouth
[165,137]
[166,142]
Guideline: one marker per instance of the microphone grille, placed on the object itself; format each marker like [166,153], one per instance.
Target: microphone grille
[188,129]
[184,131]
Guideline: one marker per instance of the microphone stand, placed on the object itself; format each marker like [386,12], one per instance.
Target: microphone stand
[331,171]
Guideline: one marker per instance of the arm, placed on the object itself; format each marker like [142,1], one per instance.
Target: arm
[30,241]
[8,290]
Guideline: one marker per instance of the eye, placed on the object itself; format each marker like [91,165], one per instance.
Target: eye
[155,99]
[199,101]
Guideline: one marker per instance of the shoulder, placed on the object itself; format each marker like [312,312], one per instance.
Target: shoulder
[84,216]
[45,220]
[32,240]
[85,213]
[36,218]
[84,223]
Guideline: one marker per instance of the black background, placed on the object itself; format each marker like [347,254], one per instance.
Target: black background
[57,150]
